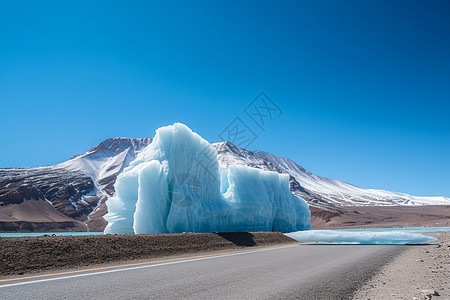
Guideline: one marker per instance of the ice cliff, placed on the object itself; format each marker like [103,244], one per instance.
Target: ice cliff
[175,185]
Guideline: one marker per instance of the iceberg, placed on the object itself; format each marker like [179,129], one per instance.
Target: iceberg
[175,185]
[360,237]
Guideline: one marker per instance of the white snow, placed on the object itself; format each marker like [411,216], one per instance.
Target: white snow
[174,185]
[360,237]
[332,191]
[99,163]
[104,161]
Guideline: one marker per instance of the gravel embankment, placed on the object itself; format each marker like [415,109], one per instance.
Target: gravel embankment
[21,255]
[421,272]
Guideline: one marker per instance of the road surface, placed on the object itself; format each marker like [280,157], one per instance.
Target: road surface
[299,271]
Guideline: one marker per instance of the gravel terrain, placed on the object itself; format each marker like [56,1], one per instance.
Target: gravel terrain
[420,272]
[19,255]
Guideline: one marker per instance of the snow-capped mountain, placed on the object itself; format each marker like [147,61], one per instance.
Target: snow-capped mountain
[104,162]
[72,195]
[317,190]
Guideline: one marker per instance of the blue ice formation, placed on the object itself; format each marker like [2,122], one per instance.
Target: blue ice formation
[361,237]
[175,185]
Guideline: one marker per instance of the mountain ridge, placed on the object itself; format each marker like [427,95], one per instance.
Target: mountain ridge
[317,189]
[78,188]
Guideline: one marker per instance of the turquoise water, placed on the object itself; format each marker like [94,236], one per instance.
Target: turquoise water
[415,229]
[20,234]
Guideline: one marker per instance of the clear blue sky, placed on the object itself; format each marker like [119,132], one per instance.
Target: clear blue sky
[364,85]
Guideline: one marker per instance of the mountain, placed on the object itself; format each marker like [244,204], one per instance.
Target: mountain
[317,190]
[68,196]
[71,196]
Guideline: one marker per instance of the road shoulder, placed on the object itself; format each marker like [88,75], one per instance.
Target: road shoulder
[418,273]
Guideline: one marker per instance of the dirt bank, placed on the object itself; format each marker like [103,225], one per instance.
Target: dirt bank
[34,254]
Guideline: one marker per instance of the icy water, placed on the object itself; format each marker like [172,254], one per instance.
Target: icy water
[20,234]
[415,229]
[372,236]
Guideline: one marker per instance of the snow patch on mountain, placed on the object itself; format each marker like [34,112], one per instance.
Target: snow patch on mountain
[316,189]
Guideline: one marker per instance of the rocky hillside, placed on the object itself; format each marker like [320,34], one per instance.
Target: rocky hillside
[69,196]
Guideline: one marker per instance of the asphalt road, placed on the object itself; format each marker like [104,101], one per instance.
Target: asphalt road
[300,271]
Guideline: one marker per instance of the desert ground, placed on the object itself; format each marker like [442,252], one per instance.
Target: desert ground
[420,272]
